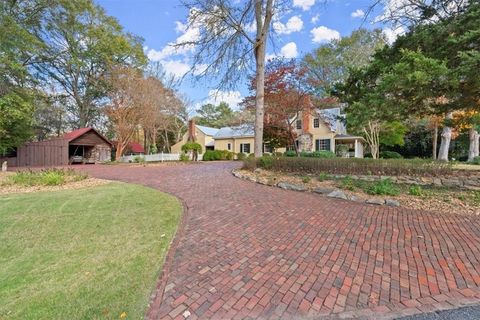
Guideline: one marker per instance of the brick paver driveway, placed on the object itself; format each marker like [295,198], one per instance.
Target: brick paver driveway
[252,251]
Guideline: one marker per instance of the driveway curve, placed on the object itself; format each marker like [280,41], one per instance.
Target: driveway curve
[252,251]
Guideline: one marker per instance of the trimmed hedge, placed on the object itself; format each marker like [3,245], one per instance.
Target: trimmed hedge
[314,154]
[352,166]
[390,155]
[318,154]
[215,155]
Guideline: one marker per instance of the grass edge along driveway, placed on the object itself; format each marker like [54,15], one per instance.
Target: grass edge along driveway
[83,254]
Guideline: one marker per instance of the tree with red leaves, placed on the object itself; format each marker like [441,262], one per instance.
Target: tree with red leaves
[288,93]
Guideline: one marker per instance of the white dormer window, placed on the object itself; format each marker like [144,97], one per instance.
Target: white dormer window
[316,123]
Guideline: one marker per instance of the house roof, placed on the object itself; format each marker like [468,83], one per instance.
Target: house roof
[207,130]
[72,135]
[331,117]
[348,137]
[243,131]
[136,147]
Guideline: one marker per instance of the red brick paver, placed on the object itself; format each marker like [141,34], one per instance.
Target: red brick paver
[252,251]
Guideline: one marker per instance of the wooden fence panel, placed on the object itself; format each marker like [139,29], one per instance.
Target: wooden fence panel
[45,153]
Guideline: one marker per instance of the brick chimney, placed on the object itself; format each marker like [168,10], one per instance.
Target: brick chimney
[192,133]
[306,121]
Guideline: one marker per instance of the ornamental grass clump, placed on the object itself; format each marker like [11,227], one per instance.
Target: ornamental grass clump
[47,177]
[384,187]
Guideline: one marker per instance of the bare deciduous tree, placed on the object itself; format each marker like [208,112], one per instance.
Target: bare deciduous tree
[228,33]
[124,109]
[407,13]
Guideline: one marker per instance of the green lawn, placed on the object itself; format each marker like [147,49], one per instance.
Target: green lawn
[91,253]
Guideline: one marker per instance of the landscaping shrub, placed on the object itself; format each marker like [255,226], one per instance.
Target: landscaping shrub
[139,159]
[322,176]
[348,184]
[290,153]
[306,179]
[318,154]
[390,155]
[215,155]
[47,177]
[384,187]
[249,164]
[184,157]
[241,156]
[415,191]
[476,161]
[192,146]
[266,162]
[354,166]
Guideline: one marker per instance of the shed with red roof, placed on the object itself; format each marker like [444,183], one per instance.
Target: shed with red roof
[85,145]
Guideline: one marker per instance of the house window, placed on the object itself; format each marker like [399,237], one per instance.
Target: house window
[229,146]
[299,124]
[267,148]
[322,144]
[316,123]
[245,147]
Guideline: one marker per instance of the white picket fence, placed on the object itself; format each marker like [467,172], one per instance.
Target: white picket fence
[158,157]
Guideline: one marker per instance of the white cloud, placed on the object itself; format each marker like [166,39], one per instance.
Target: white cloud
[176,68]
[324,34]
[252,27]
[233,98]
[289,50]
[392,34]
[294,24]
[358,13]
[171,49]
[304,4]
[315,18]
[180,27]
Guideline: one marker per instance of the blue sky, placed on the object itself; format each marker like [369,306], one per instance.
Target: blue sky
[307,25]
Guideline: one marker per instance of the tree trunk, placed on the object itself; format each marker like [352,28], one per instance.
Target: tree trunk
[166,142]
[445,140]
[372,134]
[435,142]
[477,145]
[146,144]
[119,151]
[259,98]
[263,27]
[473,135]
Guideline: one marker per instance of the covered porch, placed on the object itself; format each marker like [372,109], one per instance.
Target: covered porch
[354,143]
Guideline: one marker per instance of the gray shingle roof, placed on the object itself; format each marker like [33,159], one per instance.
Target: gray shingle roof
[208,130]
[245,130]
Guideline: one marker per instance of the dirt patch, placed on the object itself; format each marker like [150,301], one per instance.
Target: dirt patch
[437,200]
[10,188]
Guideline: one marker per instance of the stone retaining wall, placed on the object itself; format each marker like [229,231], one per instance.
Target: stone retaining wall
[465,182]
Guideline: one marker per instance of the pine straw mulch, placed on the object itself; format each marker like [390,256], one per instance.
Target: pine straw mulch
[7,188]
